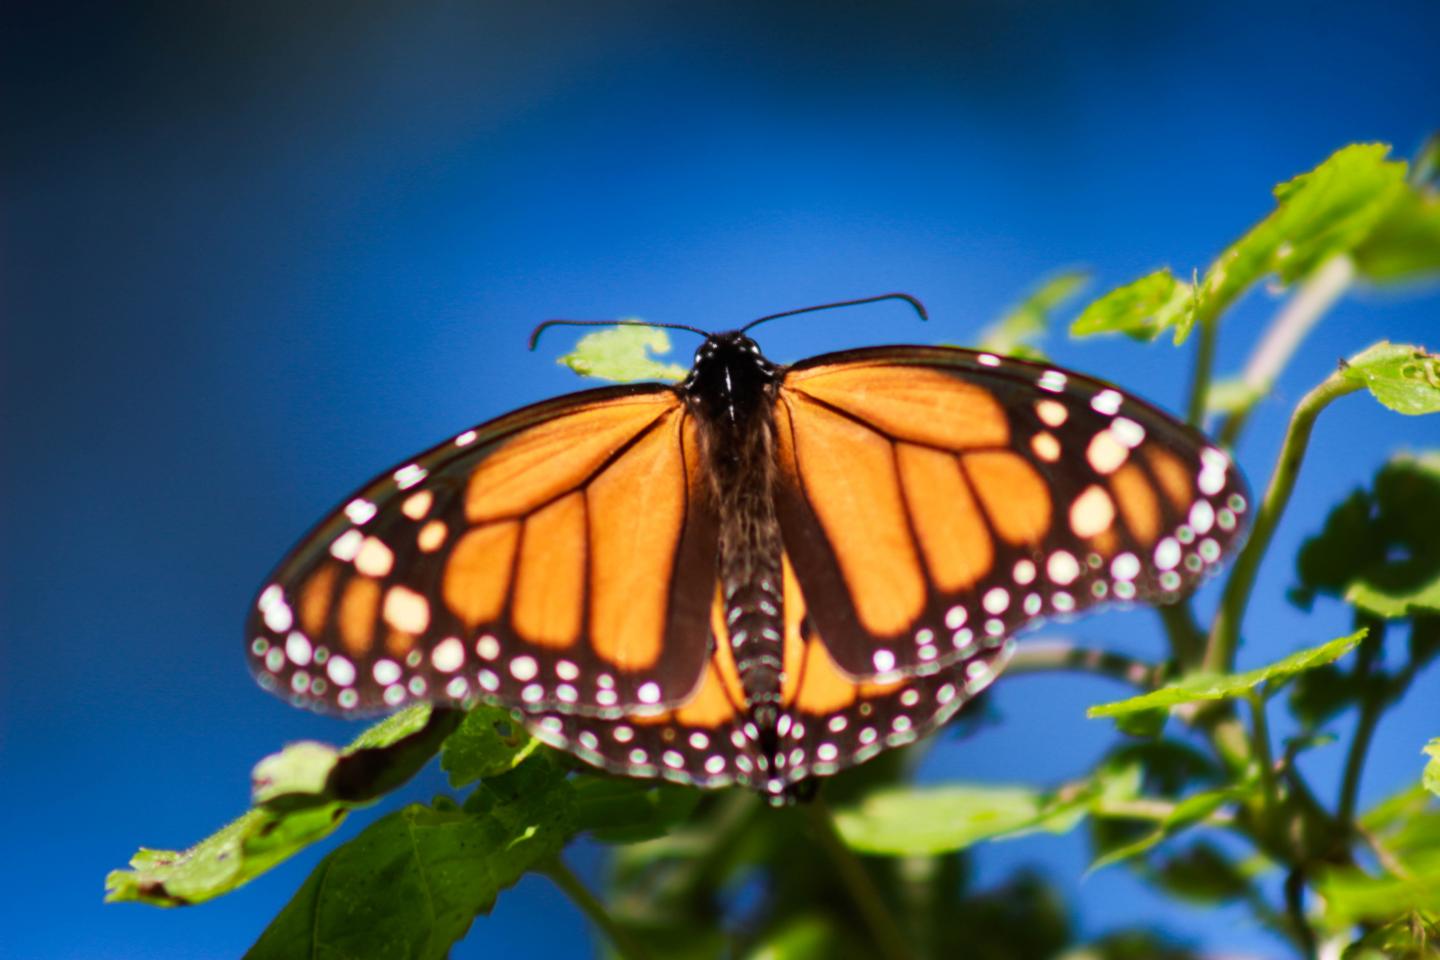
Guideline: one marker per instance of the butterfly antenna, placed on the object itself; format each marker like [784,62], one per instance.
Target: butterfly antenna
[535,334]
[914,302]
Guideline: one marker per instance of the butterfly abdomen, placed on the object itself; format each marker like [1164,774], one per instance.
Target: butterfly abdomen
[731,395]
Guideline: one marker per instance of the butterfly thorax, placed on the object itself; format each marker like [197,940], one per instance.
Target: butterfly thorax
[731,394]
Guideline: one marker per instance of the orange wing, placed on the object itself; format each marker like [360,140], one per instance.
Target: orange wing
[830,720]
[560,557]
[934,500]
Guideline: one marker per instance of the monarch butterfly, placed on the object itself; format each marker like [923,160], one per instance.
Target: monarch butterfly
[757,576]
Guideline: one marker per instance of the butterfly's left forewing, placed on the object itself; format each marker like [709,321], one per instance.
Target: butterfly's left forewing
[561,557]
[935,501]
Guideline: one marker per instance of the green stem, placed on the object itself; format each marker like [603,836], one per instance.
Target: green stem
[1311,301]
[1187,643]
[580,895]
[1372,704]
[1260,745]
[884,929]
[1225,634]
[1200,375]
[1040,656]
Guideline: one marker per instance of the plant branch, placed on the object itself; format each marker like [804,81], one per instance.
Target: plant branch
[1292,323]
[580,895]
[1200,373]
[1187,642]
[1051,656]
[1372,703]
[1225,634]
[884,929]
[1260,746]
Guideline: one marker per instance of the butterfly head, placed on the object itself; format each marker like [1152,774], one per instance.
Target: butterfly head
[730,374]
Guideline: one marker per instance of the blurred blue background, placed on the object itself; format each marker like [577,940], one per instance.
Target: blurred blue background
[254,253]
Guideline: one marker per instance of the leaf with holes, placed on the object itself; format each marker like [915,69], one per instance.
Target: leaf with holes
[1201,687]
[488,742]
[622,354]
[1404,378]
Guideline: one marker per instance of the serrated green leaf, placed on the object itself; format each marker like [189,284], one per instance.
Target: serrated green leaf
[411,884]
[1430,779]
[1016,333]
[1404,378]
[1324,213]
[1143,309]
[489,741]
[623,353]
[1200,687]
[1376,550]
[307,790]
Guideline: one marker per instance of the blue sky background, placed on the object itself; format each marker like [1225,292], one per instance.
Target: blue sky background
[253,254]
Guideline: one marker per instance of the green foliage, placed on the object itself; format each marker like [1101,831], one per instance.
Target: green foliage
[488,742]
[1201,686]
[1406,379]
[1372,551]
[302,794]
[623,353]
[1203,810]
[1357,203]
[1017,333]
[1143,309]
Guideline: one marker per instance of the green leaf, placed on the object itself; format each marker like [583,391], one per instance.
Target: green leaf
[228,858]
[411,884]
[1231,396]
[1353,896]
[1199,687]
[1321,214]
[1186,813]
[625,810]
[1202,873]
[488,742]
[304,793]
[1376,550]
[1431,777]
[623,353]
[1015,334]
[932,820]
[1143,309]
[1404,378]
[1405,244]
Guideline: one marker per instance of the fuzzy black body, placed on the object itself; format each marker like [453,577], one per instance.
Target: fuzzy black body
[731,393]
